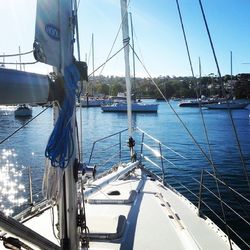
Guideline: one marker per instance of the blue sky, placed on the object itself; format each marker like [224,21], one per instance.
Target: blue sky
[158,36]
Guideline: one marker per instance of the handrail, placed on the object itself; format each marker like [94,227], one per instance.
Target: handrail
[159,142]
[148,135]
[104,138]
[153,163]
[109,159]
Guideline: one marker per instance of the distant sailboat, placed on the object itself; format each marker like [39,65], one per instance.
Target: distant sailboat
[227,105]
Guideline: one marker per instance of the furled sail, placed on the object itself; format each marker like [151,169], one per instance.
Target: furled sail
[53,45]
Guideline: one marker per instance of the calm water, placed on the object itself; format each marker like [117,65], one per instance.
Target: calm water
[26,149]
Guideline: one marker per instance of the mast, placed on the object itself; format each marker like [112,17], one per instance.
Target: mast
[200,75]
[20,60]
[125,35]
[70,239]
[3,64]
[54,46]
[231,65]
[199,67]
[133,52]
[93,62]
[93,55]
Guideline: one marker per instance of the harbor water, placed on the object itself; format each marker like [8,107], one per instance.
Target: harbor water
[25,150]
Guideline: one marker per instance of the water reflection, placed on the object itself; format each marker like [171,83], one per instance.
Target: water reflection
[11,188]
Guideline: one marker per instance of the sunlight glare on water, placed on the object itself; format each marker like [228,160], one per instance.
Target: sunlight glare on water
[11,189]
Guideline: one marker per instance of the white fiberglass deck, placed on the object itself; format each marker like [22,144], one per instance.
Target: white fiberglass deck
[143,215]
[156,218]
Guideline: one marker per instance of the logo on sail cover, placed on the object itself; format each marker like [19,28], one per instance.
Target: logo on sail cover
[52,31]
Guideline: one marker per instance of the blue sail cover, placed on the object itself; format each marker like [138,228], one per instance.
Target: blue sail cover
[53,33]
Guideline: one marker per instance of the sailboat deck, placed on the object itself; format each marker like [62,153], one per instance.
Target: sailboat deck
[157,217]
[141,214]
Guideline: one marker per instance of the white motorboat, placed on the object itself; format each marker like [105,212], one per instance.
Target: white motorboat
[130,206]
[23,110]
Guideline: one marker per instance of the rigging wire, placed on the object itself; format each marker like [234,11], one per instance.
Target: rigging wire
[222,88]
[205,130]
[185,38]
[18,54]
[26,123]
[108,59]
[177,115]
[203,121]
[172,108]
[22,63]
[83,226]
[112,47]
[196,91]
[138,46]
[81,87]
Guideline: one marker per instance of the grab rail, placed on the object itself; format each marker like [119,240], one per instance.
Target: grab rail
[158,153]
[112,146]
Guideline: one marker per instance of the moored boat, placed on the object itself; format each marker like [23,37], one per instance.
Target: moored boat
[94,102]
[196,103]
[23,110]
[227,105]
[136,107]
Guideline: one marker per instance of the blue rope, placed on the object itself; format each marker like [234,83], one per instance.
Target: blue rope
[60,147]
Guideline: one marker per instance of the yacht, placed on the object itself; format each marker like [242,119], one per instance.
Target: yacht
[129,206]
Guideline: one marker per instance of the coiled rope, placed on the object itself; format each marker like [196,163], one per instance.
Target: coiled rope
[60,147]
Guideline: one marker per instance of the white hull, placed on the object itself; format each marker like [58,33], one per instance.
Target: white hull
[230,105]
[136,107]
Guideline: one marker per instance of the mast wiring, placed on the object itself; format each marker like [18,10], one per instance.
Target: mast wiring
[203,122]
[112,47]
[196,91]
[26,123]
[223,90]
[16,63]
[108,59]
[15,55]
[18,54]
[172,108]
